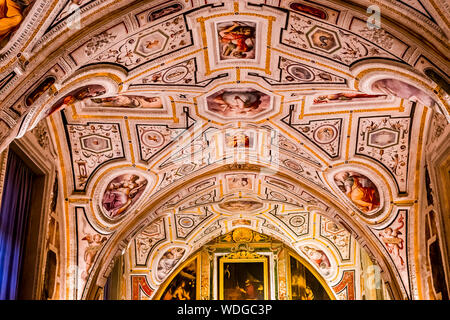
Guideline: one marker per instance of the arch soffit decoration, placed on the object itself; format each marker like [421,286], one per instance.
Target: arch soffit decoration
[159,206]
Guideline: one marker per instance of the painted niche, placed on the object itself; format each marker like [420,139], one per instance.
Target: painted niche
[359,189]
[121,193]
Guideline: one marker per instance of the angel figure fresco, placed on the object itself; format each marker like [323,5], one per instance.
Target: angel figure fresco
[182,287]
[168,261]
[121,193]
[359,189]
[318,257]
[392,241]
[95,243]
[237,40]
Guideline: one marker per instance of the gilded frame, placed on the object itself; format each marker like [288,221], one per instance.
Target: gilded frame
[244,257]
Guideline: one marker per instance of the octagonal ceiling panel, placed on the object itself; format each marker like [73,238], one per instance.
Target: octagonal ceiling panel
[239,103]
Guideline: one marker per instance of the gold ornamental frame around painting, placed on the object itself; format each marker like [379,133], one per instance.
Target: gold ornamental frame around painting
[162,288]
[244,257]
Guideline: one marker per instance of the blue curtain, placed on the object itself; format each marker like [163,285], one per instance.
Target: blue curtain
[14,213]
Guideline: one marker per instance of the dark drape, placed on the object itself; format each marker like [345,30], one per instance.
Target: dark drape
[14,213]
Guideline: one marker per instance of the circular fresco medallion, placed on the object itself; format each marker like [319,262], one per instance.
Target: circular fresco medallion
[325,134]
[297,221]
[175,74]
[186,222]
[299,72]
[152,139]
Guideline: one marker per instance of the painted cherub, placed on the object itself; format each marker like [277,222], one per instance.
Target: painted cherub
[390,237]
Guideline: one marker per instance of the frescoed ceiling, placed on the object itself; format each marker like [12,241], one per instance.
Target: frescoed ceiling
[174,109]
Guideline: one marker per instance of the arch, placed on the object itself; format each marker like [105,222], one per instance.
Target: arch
[122,237]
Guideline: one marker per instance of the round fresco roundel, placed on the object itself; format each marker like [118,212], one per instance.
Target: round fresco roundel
[152,138]
[359,189]
[325,134]
[121,193]
[299,72]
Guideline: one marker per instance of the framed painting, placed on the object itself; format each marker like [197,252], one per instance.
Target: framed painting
[243,277]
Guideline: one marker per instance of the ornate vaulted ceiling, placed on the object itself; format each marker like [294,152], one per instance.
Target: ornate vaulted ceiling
[177,115]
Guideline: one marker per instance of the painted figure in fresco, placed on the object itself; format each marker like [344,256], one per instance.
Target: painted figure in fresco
[393,242]
[183,285]
[318,257]
[359,189]
[95,242]
[240,205]
[181,292]
[308,10]
[11,16]
[402,90]
[168,262]
[344,96]
[253,289]
[164,11]
[232,103]
[249,289]
[120,193]
[237,41]
[79,94]
[124,101]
